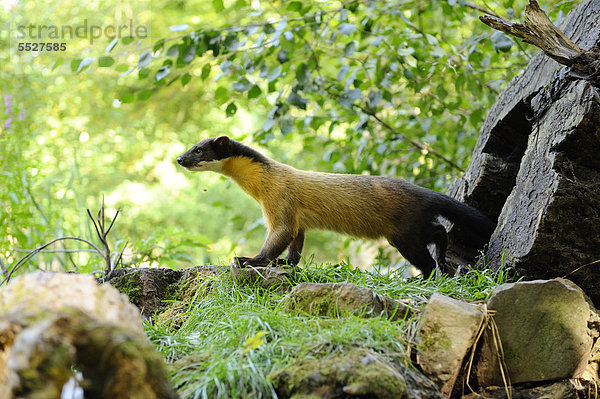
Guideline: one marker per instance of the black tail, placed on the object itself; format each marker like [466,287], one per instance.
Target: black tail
[473,224]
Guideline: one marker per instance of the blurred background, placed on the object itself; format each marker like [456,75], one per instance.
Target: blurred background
[107,119]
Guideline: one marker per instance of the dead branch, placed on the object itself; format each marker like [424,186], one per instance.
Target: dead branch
[100,226]
[539,31]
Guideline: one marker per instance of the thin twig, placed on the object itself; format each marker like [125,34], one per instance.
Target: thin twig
[55,250]
[26,258]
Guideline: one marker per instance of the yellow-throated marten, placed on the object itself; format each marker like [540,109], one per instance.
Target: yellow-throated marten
[294,201]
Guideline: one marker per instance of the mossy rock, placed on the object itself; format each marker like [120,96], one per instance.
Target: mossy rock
[356,373]
[333,299]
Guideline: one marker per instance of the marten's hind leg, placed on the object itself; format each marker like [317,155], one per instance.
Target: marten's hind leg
[440,238]
[416,253]
[412,244]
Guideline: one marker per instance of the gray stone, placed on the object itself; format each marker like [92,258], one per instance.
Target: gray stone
[448,330]
[331,299]
[543,329]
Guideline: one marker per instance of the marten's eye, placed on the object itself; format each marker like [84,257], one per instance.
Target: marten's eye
[198,150]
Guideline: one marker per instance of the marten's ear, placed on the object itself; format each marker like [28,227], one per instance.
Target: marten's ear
[222,141]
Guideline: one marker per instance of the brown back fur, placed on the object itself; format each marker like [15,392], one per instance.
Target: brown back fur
[358,205]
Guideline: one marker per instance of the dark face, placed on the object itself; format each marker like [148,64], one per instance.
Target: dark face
[207,154]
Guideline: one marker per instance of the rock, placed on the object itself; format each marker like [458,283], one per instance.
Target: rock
[53,323]
[543,328]
[267,276]
[147,288]
[535,170]
[35,294]
[356,373]
[331,299]
[150,289]
[447,332]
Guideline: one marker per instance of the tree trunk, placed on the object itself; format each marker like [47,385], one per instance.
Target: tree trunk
[536,166]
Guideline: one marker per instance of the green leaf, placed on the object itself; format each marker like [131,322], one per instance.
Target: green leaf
[105,61]
[402,52]
[254,92]
[343,72]
[294,6]
[221,95]
[431,39]
[205,71]
[122,68]
[173,51]
[162,72]
[127,39]
[242,85]
[349,49]
[111,45]
[185,79]
[127,98]
[231,109]
[349,96]
[218,5]
[286,125]
[144,95]
[268,125]
[84,63]
[297,101]
[57,62]
[189,54]
[159,45]
[144,59]
[476,117]
[143,73]
[346,28]
[501,42]
[274,73]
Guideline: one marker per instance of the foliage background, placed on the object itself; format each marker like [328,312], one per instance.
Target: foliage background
[397,88]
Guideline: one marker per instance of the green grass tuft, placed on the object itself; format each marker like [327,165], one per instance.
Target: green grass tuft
[220,351]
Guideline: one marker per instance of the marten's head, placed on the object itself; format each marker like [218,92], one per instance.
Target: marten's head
[210,154]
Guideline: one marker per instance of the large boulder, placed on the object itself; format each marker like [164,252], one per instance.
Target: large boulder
[535,170]
[447,332]
[54,323]
[543,328]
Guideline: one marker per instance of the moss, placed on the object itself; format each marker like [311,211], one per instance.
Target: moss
[359,372]
[130,285]
[434,337]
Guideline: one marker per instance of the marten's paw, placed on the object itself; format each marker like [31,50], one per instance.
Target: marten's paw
[242,261]
[239,261]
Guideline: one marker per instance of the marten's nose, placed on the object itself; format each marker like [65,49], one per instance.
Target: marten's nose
[179,160]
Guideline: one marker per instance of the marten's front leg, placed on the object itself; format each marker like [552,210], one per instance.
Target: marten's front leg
[277,241]
[295,250]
